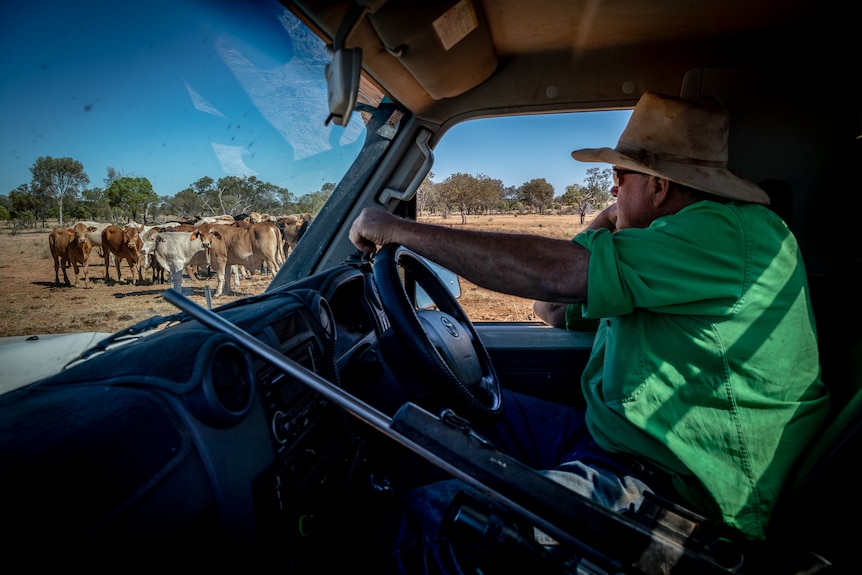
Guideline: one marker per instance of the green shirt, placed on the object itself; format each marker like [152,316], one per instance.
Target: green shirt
[705,361]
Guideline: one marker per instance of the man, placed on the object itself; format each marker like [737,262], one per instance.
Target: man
[705,365]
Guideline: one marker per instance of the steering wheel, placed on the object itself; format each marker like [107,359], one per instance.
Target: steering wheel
[447,364]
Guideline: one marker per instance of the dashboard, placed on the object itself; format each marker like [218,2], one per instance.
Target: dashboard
[185,424]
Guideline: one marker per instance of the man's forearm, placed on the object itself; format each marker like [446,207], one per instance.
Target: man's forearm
[524,265]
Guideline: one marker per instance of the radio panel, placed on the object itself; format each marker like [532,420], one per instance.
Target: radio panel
[291,405]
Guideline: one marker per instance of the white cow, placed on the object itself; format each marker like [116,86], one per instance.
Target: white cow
[174,251]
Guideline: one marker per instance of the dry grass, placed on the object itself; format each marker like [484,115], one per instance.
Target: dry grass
[30,302]
[553,226]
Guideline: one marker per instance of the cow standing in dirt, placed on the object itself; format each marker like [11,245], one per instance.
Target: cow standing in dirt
[94,234]
[174,250]
[245,246]
[71,246]
[292,228]
[124,244]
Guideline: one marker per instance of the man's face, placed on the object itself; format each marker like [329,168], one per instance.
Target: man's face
[634,193]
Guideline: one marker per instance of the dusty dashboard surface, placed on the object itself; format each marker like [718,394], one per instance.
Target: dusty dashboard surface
[184,423]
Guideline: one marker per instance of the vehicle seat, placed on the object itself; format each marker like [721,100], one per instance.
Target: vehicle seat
[819,506]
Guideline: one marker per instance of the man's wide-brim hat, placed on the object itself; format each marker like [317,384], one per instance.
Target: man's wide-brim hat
[681,140]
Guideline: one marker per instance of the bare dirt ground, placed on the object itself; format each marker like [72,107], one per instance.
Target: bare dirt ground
[31,303]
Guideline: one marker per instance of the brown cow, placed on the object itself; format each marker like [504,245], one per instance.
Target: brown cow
[125,244]
[71,246]
[95,233]
[292,227]
[247,246]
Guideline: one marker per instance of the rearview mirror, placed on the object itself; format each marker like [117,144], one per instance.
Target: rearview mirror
[342,84]
[342,72]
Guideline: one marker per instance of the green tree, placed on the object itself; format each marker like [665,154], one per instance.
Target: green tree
[95,204]
[234,195]
[489,195]
[313,202]
[25,219]
[268,200]
[578,197]
[59,178]
[537,193]
[133,195]
[427,195]
[456,192]
[186,203]
[207,193]
[79,211]
[24,200]
[595,193]
[288,201]
[511,200]
[470,194]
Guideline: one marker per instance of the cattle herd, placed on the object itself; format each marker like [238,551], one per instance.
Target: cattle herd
[229,246]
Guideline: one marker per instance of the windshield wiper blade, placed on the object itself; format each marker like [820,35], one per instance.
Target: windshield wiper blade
[131,332]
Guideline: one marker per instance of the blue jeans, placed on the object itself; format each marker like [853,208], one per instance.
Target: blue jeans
[541,434]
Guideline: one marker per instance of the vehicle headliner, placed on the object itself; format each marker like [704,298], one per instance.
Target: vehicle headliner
[571,54]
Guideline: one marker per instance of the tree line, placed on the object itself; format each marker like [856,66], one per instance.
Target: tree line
[467,194]
[60,190]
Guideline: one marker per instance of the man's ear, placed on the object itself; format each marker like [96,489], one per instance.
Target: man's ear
[661,191]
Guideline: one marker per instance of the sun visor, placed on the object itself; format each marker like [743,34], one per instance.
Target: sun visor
[446,45]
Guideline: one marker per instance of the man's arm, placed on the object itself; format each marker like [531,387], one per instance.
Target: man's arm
[524,265]
[553,313]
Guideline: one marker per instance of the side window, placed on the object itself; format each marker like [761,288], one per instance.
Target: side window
[517,175]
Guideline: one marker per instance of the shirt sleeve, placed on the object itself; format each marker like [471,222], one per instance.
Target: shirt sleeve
[575,321]
[693,262]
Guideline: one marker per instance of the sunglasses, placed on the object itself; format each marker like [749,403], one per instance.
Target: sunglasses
[619,173]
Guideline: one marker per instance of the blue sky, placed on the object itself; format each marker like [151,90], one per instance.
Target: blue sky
[517,150]
[166,91]
[153,90]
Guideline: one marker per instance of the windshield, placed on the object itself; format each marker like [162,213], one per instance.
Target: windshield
[152,114]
